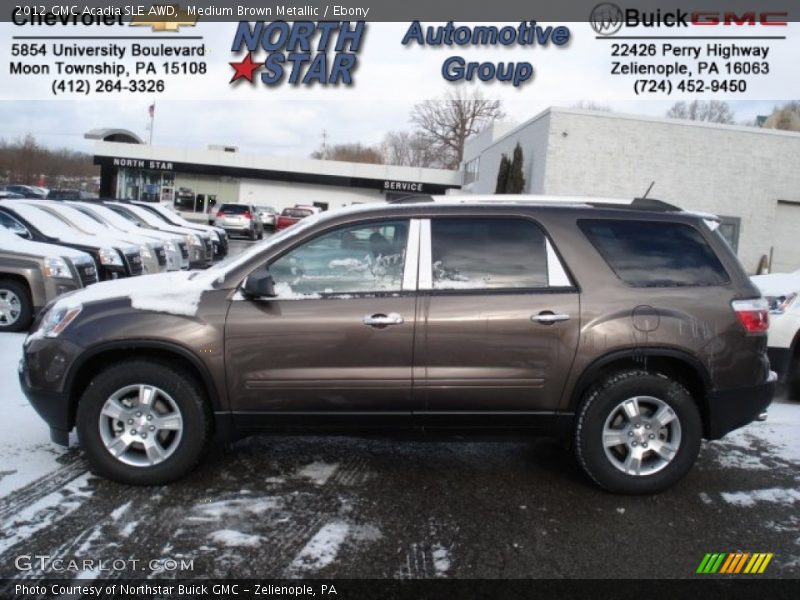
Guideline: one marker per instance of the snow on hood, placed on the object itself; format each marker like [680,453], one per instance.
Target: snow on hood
[172,293]
[11,242]
[777,284]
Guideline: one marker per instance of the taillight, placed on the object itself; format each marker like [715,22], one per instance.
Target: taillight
[220,213]
[247,215]
[753,314]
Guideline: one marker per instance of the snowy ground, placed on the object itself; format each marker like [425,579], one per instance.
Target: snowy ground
[340,507]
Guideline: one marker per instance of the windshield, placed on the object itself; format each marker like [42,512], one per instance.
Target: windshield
[143,215]
[107,216]
[220,270]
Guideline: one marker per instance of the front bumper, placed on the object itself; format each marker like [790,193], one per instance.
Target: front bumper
[733,408]
[53,407]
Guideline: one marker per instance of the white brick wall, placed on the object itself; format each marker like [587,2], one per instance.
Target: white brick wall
[731,171]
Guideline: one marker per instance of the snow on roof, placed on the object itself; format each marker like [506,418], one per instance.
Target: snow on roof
[11,242]
[53,227]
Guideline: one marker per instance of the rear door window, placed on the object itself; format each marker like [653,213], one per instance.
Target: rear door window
[495,253]
[655,254]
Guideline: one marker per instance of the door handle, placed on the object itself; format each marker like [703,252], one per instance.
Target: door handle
[548,318]
[381,320]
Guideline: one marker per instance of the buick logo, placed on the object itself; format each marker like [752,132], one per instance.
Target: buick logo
[606,18]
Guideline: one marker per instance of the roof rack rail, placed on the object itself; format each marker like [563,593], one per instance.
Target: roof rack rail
[650,204]
[410,199]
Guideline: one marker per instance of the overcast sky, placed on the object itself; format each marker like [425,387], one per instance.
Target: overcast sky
[390,79]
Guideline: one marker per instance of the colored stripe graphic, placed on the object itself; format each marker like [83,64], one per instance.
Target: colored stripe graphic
[734,563]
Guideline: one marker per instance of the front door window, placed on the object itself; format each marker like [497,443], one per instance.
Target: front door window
[367,258]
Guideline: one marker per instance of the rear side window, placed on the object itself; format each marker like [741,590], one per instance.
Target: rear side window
[469,253]
[297,213]
[655,254]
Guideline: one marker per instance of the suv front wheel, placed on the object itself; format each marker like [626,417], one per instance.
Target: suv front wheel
[143,423]
[638,432]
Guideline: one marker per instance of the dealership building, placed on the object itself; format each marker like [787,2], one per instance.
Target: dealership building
[197,180]
[747,175]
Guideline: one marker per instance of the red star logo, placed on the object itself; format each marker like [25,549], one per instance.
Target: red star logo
[244,69]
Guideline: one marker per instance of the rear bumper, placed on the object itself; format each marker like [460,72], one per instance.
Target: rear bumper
[734,408]
[779,359]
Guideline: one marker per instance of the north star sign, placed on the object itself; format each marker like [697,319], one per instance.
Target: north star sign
[137,163]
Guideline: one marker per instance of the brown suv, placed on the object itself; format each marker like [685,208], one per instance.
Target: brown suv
[633,332]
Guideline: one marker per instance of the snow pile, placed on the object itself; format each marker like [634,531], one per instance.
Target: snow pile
[234,539]
[321,550]
[753,497]
[318,472]
[25,443]
[176,293]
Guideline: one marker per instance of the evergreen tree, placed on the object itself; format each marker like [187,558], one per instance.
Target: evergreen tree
[502,175]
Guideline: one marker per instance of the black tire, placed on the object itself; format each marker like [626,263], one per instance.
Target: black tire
[21,292]
[251,235]
[793,377]
[604,398]
[261,234]
[187,394]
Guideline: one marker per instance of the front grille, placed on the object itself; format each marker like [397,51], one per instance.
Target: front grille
[87,273]
[134,260]
[161,255]
[184,249]
[209,248]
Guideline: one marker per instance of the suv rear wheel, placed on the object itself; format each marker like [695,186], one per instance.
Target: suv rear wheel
[638,432]
[16,306]
[143,423]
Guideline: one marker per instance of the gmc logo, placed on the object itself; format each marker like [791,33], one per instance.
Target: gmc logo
[731,18]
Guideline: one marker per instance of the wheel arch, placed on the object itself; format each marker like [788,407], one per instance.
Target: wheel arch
[101,356]
[676,364]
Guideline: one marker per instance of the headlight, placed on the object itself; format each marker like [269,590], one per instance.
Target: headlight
[780,304]
[144,250]
[57,267]
[109,256]
[57,319]
[193,240]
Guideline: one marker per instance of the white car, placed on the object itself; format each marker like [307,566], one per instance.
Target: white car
[781,290]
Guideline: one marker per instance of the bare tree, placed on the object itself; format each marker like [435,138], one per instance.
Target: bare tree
[713,111]
[356,152]
[786,117]
[408,149]
[446,123]
[592,105]
[25,161]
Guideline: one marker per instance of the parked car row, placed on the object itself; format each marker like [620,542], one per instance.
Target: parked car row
[50,247]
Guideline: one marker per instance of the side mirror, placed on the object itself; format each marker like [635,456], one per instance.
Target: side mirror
[259,285]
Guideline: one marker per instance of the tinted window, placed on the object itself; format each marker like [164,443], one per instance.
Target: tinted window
[236,209]
[652,254]
[363,258]
[297,213]
[488,253]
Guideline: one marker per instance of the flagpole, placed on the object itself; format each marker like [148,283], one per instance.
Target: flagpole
[152,120]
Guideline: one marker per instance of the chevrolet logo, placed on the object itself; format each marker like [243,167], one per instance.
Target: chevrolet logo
[165,17]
